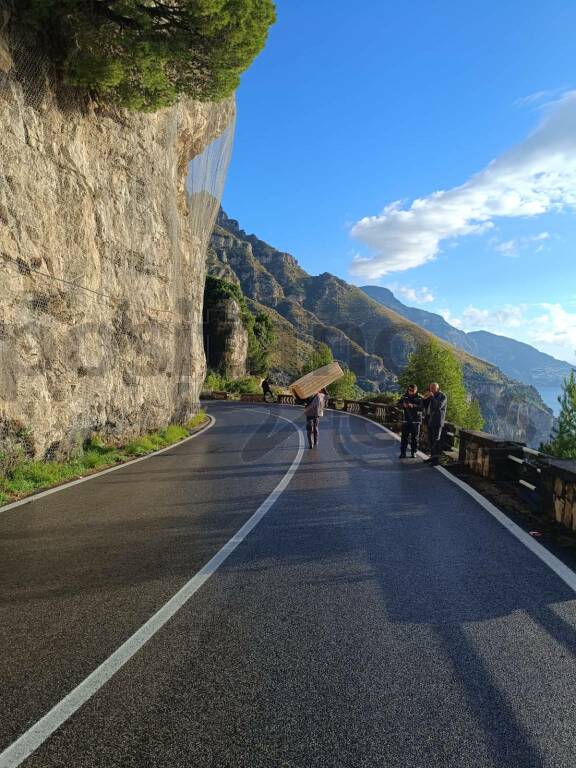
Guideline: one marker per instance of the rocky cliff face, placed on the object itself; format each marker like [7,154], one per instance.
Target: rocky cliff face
[101,275]
[372,339]
[225,337]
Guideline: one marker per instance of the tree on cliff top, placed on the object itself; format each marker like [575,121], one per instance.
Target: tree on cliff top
[145,54]
[435,362]
[563,440]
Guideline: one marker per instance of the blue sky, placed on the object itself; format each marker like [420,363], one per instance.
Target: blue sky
[353,107]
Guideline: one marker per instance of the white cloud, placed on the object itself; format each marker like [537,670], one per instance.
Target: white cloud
[539,98]
[537,176]
[512,247]
[416,295]
[555,326]
[496,320]
[449,317]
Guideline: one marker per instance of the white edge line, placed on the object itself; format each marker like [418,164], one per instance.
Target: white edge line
[35,736]
[94,475]
[560,569]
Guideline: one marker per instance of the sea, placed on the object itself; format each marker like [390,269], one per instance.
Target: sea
[550,396]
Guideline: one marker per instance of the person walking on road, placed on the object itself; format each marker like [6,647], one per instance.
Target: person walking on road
[435,404]
[412,405]
[314,411]
[267,390]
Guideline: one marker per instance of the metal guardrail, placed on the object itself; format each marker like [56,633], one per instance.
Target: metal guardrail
[526,470]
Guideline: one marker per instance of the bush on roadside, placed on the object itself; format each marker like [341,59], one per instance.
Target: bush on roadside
[196,420]
[248,385]
[215,382]
[387,398]
[27,475]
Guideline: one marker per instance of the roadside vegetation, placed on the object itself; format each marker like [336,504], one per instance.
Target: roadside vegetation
[247,385]
[435,362]
[146,55]
[259,326]
[562,443]
[20,476]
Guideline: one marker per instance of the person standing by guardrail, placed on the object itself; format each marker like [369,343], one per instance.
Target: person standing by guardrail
[435,403]
[412,406]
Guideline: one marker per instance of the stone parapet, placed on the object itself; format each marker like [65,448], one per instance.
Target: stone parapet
[558,491]
[488,455]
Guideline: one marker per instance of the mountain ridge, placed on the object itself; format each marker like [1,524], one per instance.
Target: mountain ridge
[371,339]
[515,359]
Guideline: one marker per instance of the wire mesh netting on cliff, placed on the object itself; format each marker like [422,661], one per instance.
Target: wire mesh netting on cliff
[104,224]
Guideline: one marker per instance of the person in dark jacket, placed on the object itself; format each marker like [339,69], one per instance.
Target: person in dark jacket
[412,405]
[435,405]
[267,389]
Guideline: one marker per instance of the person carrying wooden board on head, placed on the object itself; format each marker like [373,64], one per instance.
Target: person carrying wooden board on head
[314,411]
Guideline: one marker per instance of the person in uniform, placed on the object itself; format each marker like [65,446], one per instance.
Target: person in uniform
[435,406]
[412,406]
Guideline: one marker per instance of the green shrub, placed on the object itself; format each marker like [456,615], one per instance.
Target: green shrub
[145,54]
[248,385]
[173,433]
[139,446]
[387,398]
[215,382]
[27,476]
[196,420]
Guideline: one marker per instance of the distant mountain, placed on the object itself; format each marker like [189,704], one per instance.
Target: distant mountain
[514,358]
[371,338]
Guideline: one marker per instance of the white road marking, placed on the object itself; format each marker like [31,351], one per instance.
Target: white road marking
[29,742]
[95,475]
[560,569]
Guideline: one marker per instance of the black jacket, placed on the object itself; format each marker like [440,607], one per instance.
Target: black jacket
[412,415]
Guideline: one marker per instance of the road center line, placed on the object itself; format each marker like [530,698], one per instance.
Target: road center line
[35,736]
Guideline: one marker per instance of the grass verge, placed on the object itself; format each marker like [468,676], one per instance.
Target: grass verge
[30,476]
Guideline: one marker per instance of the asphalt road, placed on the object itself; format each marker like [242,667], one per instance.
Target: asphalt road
[376,616]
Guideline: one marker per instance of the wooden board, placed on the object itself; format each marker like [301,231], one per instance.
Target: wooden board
[316,380]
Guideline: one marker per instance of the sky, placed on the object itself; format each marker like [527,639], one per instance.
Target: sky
[429,147]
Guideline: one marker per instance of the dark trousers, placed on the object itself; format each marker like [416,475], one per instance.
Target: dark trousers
[435,438]
[312,430]
[410,429]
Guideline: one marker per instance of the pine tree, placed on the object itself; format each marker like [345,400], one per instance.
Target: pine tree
[473,418]
[145,54]
[563,439]
[435,362]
